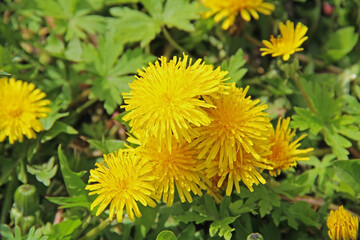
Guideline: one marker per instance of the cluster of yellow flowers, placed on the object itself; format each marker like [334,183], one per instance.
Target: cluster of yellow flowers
[195,132]
[290,40]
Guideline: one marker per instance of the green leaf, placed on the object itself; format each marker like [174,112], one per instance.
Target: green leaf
[6,233]
[166,235]
[348,171]
[66,228]
[35,234]
[222,227]
[135,26]
[43,172]
[188,232]
[179,13]
[302,211]
[54,44]
[234,66]
[49,121]
[70,202]
[107,146]
[114,74]
[74,50]
[341,43]
[59,127]
[305,119]
[7,166]
[337,143]
[73,182]
[4,74]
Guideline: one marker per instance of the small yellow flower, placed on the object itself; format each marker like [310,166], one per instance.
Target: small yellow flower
[122,180]
[342,225]
[238,125]
[21,106]
[288,43]
[166,99]
[229,9]
[284,151]
[245,169]
[178,169]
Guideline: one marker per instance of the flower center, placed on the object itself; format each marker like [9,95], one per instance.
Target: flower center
[16,112]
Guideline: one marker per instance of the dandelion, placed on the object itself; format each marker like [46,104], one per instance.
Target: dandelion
[342,225]
[122,180]
[179,168]
[288,43]
[239,124]
[245,169]
[166,99]
[284,151]
[229,9]
[21,106]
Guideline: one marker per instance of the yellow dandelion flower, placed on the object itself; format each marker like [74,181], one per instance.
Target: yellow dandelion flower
[122,180]
[165,99]
[229,9]
[21,106]
[245,169]
[288,43]
[179,168]
[239,124]
[342,225]
[284,151]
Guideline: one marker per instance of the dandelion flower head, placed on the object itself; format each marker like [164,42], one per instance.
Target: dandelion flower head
[178,169]
[239,124]
[229,9]
[285,153]
[122,180]
[342,225]
[245,169]
[288,43]
[21,107]
[166,98]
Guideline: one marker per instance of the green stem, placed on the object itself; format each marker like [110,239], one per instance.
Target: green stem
[9,194]
[172,41]
[297,81]
[96,230]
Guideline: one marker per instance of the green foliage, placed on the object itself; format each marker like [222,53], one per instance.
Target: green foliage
[135,26]
[83,54]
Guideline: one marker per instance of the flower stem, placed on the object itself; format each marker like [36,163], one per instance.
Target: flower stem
[295,76]
[172,41]
[96,230]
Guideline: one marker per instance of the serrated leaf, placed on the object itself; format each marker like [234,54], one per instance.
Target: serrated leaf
[135,26]
[166,235]
[114,74]
[222,227]
[305,119]
[234,66]
[348,171]
[302,211]
[73,182]
[43,172]
[179,13]
[337,143]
